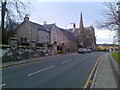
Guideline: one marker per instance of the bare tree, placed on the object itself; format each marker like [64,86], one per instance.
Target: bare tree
[12,12]
[109,18]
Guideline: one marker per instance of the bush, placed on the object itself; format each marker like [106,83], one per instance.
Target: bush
[59,51]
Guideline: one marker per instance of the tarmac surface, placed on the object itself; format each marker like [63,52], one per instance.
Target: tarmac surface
[107,73]
[65,71]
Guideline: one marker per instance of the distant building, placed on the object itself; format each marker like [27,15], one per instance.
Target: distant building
[85,35]
[107,47]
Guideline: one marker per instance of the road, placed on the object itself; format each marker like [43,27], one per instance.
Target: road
[67,71]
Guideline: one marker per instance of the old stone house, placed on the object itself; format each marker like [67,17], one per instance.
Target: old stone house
[64,40]
[48,36]
[29,32]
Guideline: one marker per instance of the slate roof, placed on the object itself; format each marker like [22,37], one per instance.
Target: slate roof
[70,30]
[19,26]
[40,27]
[48,26]
[69,34]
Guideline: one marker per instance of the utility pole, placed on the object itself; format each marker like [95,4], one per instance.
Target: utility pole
[118,11]
[74,26]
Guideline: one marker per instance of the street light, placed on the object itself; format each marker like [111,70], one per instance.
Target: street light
[73,26]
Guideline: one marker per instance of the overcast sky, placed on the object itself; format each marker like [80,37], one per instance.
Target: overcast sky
[64,13]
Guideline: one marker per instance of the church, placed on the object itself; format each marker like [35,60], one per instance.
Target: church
[85,35]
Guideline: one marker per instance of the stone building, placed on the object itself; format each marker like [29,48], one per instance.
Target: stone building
[85,35]
[61,39]
[48,36]
[29,32]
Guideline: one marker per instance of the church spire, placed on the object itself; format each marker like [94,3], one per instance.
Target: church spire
[81,21]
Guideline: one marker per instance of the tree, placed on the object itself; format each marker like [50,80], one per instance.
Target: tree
[12,12]
[110,18]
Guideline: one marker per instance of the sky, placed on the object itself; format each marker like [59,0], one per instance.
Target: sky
[64,13]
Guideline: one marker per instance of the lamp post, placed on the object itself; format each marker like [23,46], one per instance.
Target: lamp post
[73,26]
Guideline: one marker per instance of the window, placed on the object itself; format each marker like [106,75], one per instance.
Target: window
[25,39]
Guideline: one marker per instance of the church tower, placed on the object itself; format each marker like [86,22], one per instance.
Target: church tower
[81,22]
[81,31]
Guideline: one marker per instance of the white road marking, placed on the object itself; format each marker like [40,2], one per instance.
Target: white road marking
[40,70]
[2,85]
[65,61]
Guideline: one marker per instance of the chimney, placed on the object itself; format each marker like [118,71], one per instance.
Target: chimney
[44,22]
[74,26]
[26,18]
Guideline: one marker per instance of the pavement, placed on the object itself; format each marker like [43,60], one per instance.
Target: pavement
[107,74]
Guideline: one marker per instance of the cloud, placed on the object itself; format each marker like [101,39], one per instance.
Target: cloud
[104,36]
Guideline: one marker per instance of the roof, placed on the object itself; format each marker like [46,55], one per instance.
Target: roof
[40,27]
[19,26]
[70,30]
[48,26]
[69,34]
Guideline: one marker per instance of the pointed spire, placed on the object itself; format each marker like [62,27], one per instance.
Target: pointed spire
[81,21]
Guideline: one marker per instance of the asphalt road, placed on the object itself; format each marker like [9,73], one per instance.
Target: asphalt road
[67,71]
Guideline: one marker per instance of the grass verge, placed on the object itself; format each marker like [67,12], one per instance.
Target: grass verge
[116,56]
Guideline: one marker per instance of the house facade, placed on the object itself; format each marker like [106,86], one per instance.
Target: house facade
[29,32]
[63,39]
[48,36]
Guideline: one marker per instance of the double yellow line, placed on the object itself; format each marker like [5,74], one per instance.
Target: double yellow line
[89,81]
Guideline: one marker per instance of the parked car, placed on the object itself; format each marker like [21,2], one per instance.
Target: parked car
[82,50]
[88,50]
